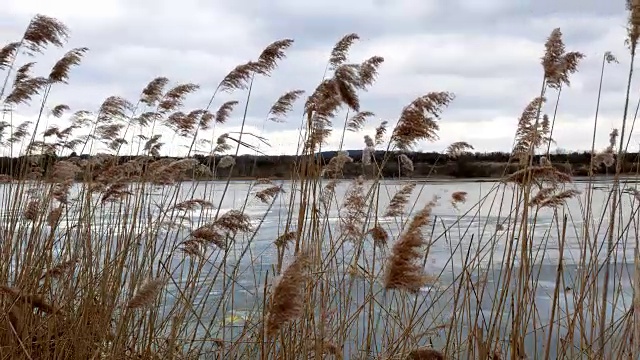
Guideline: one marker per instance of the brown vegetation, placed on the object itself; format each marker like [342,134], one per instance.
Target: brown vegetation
[106,256]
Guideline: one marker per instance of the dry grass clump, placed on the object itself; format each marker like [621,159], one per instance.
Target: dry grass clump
[35,301]
[65,170]
[425,353]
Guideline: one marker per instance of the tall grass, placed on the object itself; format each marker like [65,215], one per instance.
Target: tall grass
[106,259]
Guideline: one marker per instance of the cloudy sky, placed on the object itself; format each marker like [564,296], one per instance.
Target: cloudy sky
[487,52]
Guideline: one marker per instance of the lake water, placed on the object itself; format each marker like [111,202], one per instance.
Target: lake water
[472,232]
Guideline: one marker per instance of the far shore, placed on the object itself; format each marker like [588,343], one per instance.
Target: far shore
[444,179]
[425,167]
[423,179]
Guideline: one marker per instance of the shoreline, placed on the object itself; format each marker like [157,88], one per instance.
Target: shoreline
[430,179]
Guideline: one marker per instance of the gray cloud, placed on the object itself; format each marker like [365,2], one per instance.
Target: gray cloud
[485,51]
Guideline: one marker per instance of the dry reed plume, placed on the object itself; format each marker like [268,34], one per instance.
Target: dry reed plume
[353,212]
[403,268]
[544,199]
[60,71]
[61,269]
[458,148]
[458,197]
[337,163]
[379,235]
[285,239]
[538,175]
[557,63]
[287,299]
[406,163]
[147,293]
[341,50]
[283,105]
[381,130]
[44,31]
[400,200]
[357,121]
[418,120]
[204,235]
[530,133]
[226,161]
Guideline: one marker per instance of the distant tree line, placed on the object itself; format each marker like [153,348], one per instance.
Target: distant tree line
[426,164]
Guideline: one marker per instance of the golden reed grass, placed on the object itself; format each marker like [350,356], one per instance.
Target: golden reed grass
[106,258]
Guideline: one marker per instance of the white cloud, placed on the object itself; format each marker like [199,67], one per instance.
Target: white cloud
[371,10]
[485,6]
[68,9]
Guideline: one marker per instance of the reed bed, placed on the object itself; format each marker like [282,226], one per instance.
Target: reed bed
[133,259]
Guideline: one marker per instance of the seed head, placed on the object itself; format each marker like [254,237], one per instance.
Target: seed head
[283,105]
[152,93]
[59,110]
[239,77]
[60,71]
[226,161]
[224,111]
[43,31]
[146,294]
[7,54]
[418,120]
[341,49]
[357,121]
[268,59]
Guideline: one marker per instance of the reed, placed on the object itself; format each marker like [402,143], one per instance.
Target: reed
[104,257]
